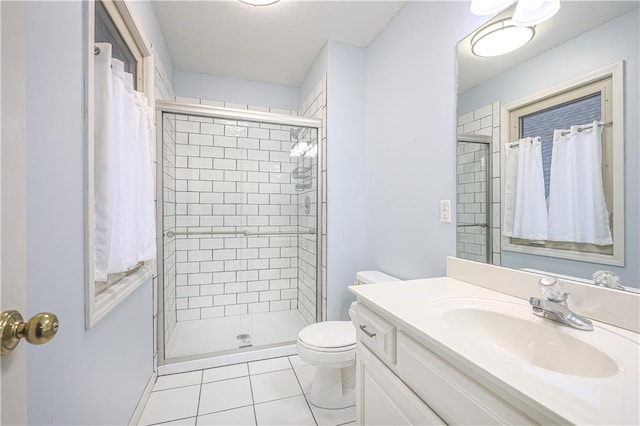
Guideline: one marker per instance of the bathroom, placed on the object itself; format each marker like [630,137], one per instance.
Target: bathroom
[391,123]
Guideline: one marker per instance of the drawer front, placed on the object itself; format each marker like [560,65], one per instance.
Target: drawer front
[457,398]
[384,399]
[377,334]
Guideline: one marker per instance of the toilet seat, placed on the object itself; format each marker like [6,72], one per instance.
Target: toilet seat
[327,350]
[329,336]
[329,344]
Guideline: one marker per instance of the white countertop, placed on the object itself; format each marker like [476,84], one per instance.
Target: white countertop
[416,306]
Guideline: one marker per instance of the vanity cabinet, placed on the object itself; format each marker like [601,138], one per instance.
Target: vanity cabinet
[400,381]
[383,399]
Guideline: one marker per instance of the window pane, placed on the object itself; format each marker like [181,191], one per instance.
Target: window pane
[543,123]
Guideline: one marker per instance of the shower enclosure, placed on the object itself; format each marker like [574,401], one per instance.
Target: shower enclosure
[239,218]
[473,239]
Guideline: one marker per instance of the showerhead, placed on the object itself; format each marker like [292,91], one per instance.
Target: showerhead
[295,132]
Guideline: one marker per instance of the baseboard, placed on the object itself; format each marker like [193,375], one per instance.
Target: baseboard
[137,414]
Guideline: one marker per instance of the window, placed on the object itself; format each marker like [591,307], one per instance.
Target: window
[111,22]
[595,97]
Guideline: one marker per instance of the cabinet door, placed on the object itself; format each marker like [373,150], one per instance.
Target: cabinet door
[383,399]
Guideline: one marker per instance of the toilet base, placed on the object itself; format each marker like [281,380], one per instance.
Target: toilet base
[333,388]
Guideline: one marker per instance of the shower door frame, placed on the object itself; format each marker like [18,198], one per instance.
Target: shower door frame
[172,107]
[481,140]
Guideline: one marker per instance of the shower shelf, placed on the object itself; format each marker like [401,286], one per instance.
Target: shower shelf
[302,173]
[246,233]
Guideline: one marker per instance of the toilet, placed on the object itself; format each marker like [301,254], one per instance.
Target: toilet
[330,346]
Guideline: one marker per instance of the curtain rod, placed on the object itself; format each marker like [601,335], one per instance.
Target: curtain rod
[608,123]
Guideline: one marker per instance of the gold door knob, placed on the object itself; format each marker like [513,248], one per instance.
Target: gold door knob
[38,330]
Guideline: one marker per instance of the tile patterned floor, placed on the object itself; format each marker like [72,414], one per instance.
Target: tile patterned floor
[268,392]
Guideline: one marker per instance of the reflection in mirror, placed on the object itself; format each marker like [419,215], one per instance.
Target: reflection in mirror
[584,37]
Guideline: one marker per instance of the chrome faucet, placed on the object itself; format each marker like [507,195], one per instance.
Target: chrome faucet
[555,306]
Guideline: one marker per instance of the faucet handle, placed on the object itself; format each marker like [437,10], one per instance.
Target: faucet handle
[552,289]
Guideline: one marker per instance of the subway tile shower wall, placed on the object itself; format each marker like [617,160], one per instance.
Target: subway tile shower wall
[472,185]
[315,106]
[169,222]
[235,175]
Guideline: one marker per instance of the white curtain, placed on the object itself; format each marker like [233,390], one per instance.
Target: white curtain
[577,207]
[123,169]
[510,184]
[525,214]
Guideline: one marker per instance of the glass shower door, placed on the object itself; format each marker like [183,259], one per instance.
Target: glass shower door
[240,243]
[473,240]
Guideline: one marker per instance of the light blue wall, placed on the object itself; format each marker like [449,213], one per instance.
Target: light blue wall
[346,240]
[81,377]
[211,87]
[619,39]
[410,137]
[149,21]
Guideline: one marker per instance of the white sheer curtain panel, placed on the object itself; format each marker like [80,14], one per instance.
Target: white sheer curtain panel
[525,213]
[510,184]
[124,201]
[577,207]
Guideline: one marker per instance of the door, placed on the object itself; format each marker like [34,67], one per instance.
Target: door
[13,272]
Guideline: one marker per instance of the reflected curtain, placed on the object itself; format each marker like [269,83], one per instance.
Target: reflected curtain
[577,207]
[525,212]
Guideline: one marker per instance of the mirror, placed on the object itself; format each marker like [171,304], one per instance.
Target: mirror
[585,36]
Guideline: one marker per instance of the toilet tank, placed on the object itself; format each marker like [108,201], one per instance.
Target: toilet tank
[368,277]
[373,277]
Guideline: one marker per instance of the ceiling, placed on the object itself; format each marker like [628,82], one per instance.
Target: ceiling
[573,19]
[275,44]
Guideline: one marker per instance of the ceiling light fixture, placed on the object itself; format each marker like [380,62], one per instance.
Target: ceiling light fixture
[499,38]
[528,12]
[533,12]
[489,7]
[259,2]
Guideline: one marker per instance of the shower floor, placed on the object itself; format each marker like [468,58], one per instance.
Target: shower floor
[198,337]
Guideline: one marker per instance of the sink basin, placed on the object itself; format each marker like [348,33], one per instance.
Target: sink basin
[534,341]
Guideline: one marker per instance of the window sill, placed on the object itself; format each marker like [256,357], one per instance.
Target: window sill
[107,300]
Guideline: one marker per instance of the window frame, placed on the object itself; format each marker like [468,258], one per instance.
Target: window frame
[101,299]
[613,157]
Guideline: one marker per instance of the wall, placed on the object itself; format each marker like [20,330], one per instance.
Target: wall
[146,15]
[346,218]
[231,90]
[619,39]
[410,138]
[81,377]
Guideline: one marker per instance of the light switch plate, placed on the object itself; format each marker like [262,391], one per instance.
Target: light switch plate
[445,211]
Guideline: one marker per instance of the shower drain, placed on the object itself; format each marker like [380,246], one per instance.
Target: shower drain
[245,340]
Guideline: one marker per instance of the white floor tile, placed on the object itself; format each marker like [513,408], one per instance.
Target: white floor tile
[171,404]
[178,380]
[289,411]
[334,417]
[268,365]
[304,372]
[274,385]
[238,416]
[191,421]
[223,373]
[224,395]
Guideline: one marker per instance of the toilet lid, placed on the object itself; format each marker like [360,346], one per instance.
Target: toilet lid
[329,334]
